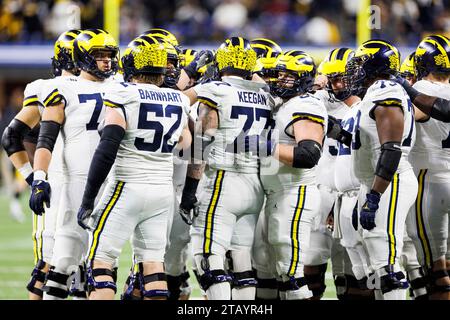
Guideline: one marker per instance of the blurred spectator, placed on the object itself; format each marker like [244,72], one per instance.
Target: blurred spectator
[327,22]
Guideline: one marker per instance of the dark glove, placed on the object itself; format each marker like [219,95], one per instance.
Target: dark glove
[40,194]
[412,93]
[335,131]
[355,217]
[30,179]
[369,209]
[201,59]
[84,213]
[189,205]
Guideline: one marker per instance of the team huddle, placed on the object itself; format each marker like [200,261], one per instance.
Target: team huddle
[250,163]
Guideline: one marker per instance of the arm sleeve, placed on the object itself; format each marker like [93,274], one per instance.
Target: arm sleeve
[308,108]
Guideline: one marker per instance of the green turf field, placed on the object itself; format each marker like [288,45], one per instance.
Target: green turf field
[16,256]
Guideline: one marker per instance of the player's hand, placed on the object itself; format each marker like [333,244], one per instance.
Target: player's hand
[201,59]
[336,132]
[320,82]
[369,209]
[189,208]
[84,213]
[40,195]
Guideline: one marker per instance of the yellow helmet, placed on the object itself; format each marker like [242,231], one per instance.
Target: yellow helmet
[299,64]
[237,56]
[187,56]
[407,68]
[63,49]
[267,52]
[164,35]
[432,55]
[334,64]
[144,56]
[87,43]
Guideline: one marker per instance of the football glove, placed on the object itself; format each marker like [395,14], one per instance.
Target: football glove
[83,216]
[369,209]
[189,205]
[201,59]
[40,195]
[335,131]
[30,179]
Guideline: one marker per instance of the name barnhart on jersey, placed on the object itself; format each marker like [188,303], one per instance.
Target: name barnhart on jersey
[252,97]
[160,95]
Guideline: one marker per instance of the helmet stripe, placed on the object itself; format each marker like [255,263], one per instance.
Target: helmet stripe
[334,54]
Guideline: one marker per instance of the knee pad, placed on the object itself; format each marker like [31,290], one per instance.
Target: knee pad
[361,284]
[432,277]
[174,286]
[143,280]
[240,269]
[418,284]
[210,277]
[316,281]
[61,279]
[94,285]
[390,280]
[266,289]
[79,284]
[294,288]
[37,275]
[341,286]
[132,284]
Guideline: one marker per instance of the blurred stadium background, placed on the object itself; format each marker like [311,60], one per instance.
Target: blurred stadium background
[28,29]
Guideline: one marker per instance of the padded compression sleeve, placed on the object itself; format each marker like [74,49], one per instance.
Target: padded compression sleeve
[389,159]
[306,154]
[47,135]
[102,161]
[12,138]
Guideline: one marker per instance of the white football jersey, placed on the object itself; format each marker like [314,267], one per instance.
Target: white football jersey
[155,118]
[275,175]
[34,94]
[344,175]
[367,145]
[326,165]
[83,113]
[432,148]
[244,109]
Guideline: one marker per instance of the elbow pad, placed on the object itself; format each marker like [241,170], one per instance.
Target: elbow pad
[441,110]
[47,135]
[13,136]
[306,154]
[389,159]
[33,135]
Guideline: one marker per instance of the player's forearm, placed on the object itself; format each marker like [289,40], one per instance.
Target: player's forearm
[183,80]
[102,162]
[284,153]
[42,160]
[195,170]
[380,185]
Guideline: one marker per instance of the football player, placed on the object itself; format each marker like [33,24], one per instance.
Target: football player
[289,176]
[384,135]
[25,128]
[231,112]
[143,123]
[322,245]
[430,158]
[74,107]
[414,272]
[267,52]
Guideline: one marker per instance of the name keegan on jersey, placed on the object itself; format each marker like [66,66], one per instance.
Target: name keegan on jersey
[252,97]
[160,95]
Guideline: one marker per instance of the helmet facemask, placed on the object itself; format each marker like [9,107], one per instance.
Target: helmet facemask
[288,88]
